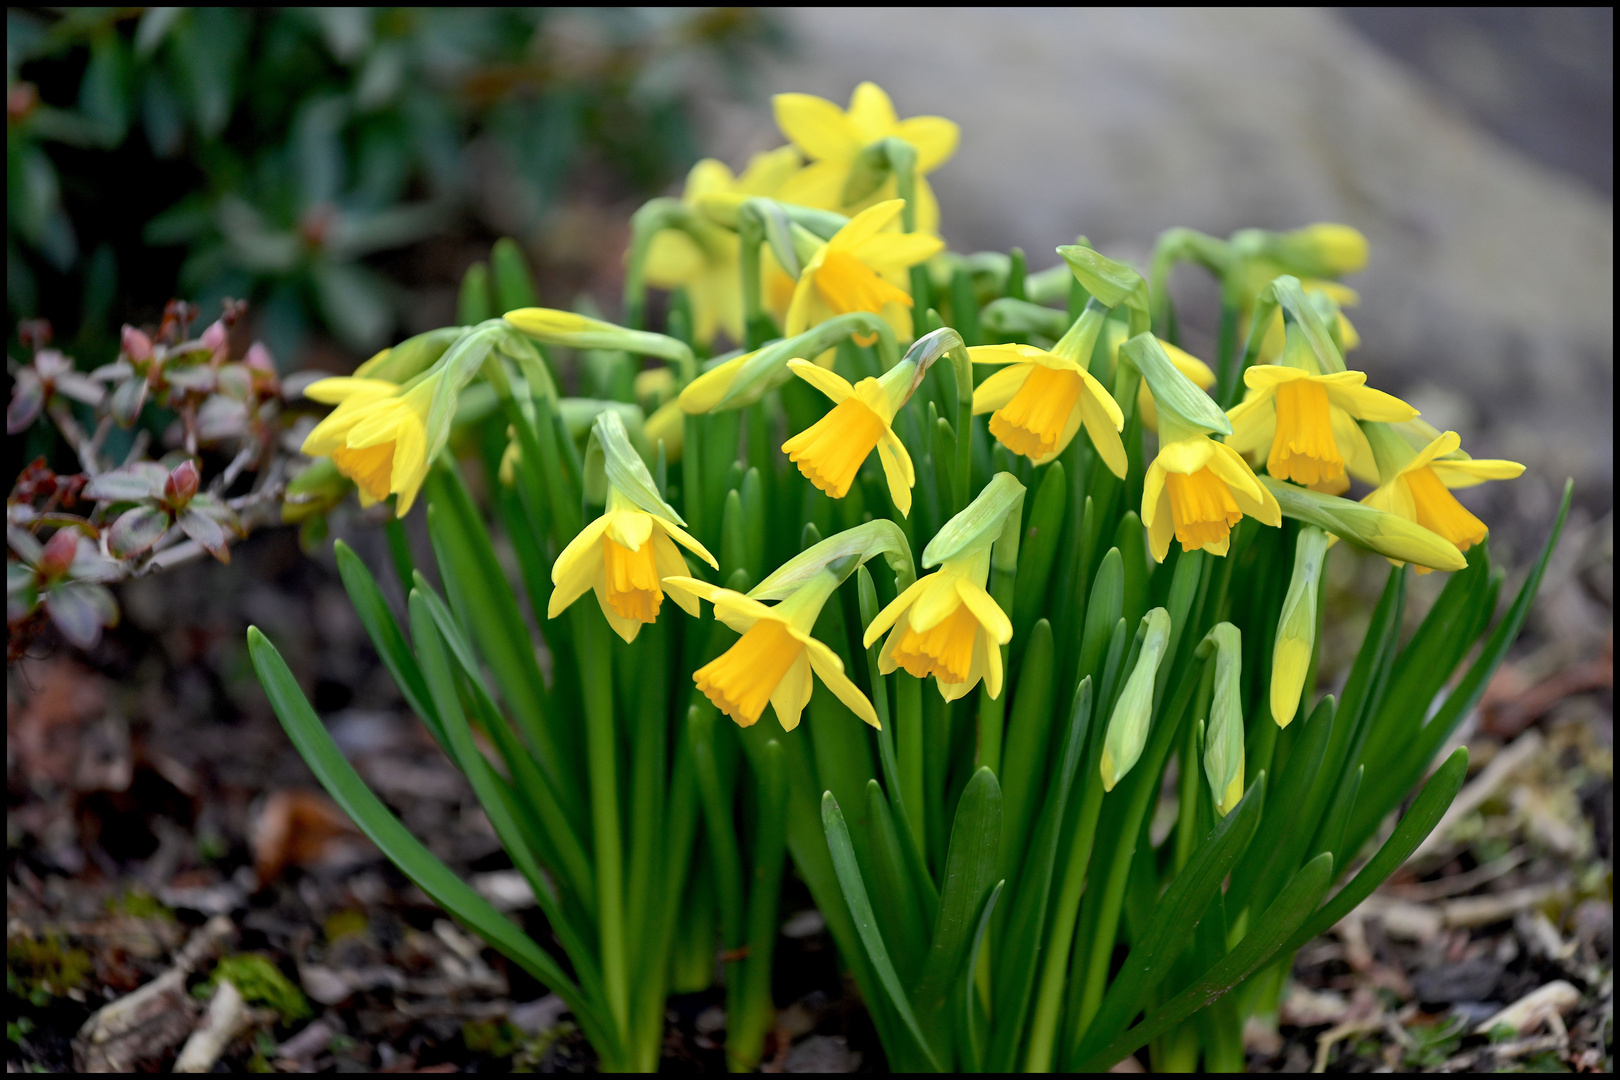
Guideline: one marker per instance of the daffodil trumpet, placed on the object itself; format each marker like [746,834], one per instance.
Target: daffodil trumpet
[831,451]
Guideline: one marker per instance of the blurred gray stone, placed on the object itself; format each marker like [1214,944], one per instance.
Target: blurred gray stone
[1491,275]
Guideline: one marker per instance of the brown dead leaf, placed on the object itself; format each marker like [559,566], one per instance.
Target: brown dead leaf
[300,828]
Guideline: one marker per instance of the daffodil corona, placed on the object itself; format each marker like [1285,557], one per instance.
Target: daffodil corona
[1039,401]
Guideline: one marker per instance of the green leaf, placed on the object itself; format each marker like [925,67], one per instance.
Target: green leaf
[860,909]
[474,303]
[1415,825]
[514,284]
[1291,907]
[1032,587]
[1104,608]
[136,530]
[1178,913]
[973,1018]
[970,867]
[1026,761]
[1282,838]
[893,887]
[316,747]
[387,638]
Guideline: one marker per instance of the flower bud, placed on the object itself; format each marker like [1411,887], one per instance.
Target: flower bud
[180,485]
[1296,630]
[1223,746]
[58,554]
[136,344]
[1133,712]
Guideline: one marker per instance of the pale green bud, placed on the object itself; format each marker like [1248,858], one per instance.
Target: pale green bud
[1177,398]
[1223,745]
[1133,712]
[612,462]
[1296,630]
[981,523]
[1390,535]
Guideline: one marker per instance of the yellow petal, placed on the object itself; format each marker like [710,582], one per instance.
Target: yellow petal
[792,694]
[629,528]
[830,670]
[887,617]
[986,610]
[897,251]
[897,471]
[686,540]
[1001,387]
[1461,474]
[816,126]
[1185,456]
[1347,390]
[819,184]
[865,225]
[934,137]
[871,113]
[578,565]
[667,558]
[341,388]
[829,382]
[673,259]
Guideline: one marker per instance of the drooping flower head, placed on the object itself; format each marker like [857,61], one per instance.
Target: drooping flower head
[1040,400]
[1416,484]
[833,139]
[377,435]
[626,553]
[772,663]
[1302,421]
[861,268]
[947,625]
[1196,489]
[703,257]
[830,451]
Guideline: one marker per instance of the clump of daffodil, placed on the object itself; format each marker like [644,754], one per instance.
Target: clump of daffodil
[1133,711]
[703,257]
[1304,421]
[833,139]
[861,268]
[1223,742]
[626,553]
[1296,629]
[947,624]
[1040,400]
[1196,489]
[1416,484]
[830,452]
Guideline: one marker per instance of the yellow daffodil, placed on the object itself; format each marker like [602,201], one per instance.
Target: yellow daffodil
[1304,424]
[707,264]
[948,626]
[1041,400]
[830,451]
[773,660]
[862,268]
[1419,488]
[1196,370]
[624,555]
[377,435]
[1196,490]
[832,139]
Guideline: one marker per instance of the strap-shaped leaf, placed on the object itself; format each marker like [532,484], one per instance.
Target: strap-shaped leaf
[1414,827]
[387,638]
[1283,837]
[1292,906]
[970,869]
[860,909]
[326,761]
[973,1018]
[1183,906]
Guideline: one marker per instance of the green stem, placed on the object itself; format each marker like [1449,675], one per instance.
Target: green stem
[753,1016]
[596,673]
[909,733]
[1049,998]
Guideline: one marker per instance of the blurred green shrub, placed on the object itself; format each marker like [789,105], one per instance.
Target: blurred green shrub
[267,153]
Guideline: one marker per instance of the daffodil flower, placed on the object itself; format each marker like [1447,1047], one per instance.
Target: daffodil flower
[1419,489]
[1305,424]
[948,626]
[1196,489]
[1040,400]
[833,138]
[773,660]
[861,268]
[623,555]
[377,435]
[707,265]
[830,451]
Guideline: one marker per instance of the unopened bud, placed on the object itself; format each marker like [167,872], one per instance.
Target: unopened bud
[136,344]
[180,485]
[59,552]
[1133,712]
[1223,747]
[1296,630]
